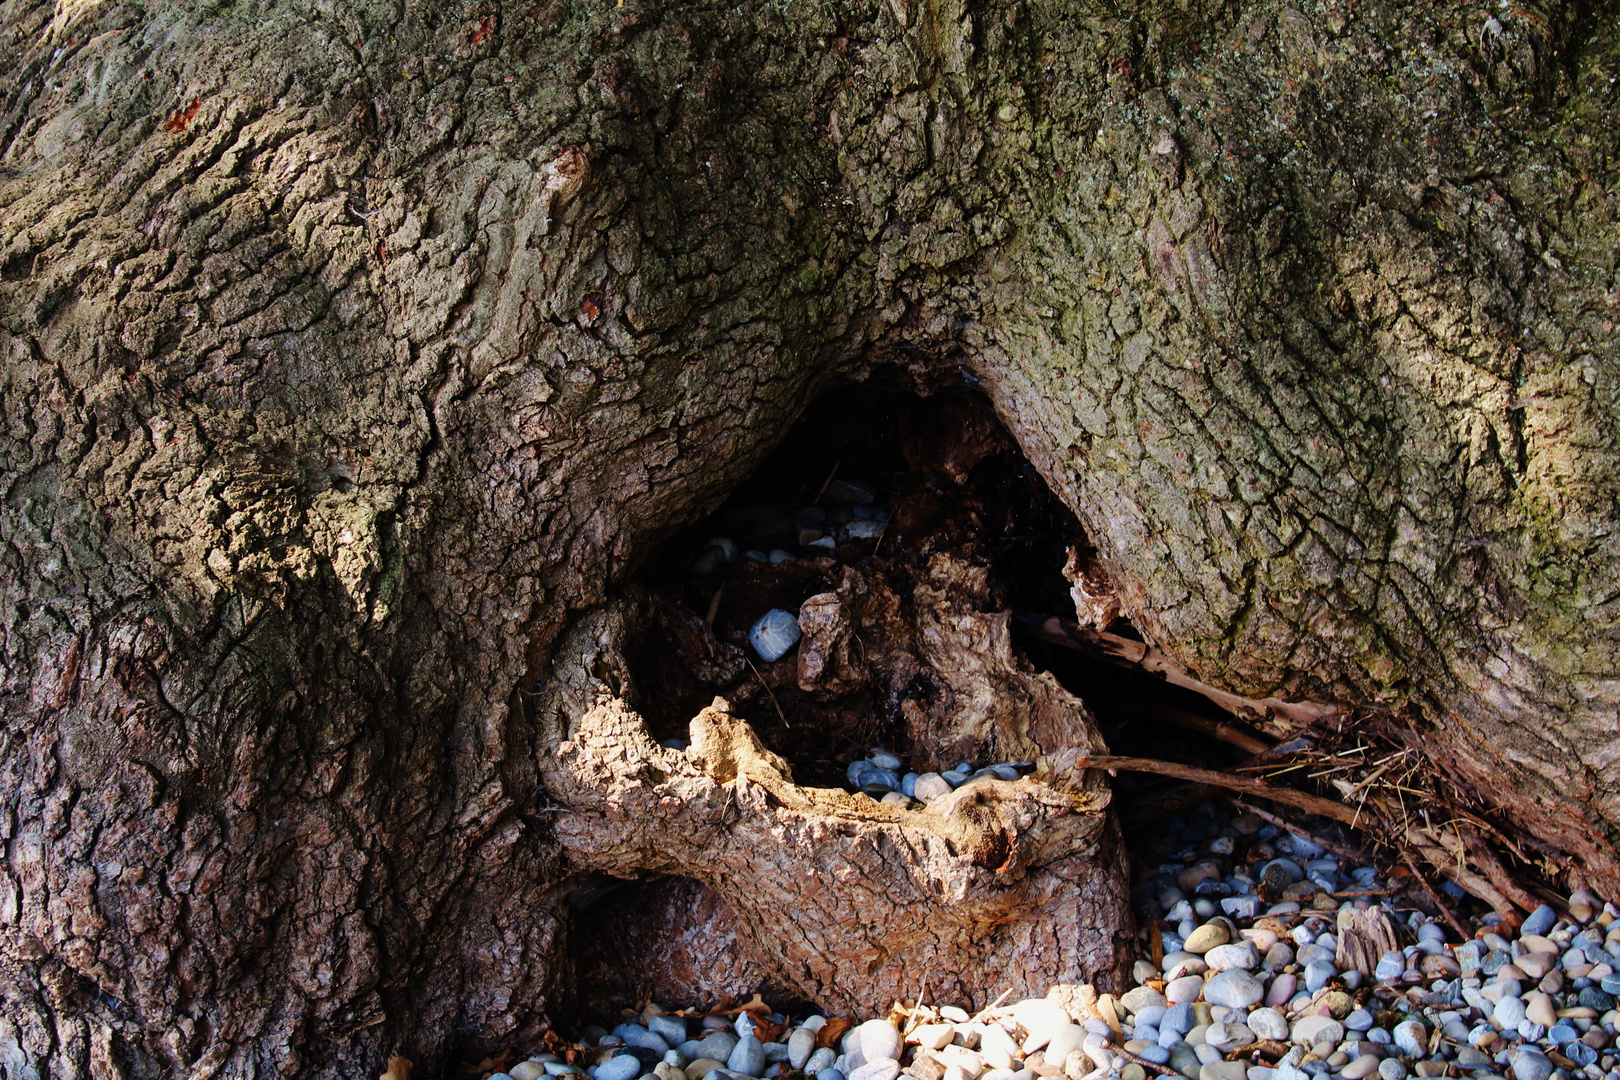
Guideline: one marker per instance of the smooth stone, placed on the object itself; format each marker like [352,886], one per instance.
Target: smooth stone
[1240,955]
[775,632]
[1184,1059]
[1064,1041]
[672,1029]
[1539,1008]
[1390,1069]
[802,1043]
[1156,1054]
[1041,1018]
[883,759]
[1509,1013]
[748,1057]
[1234,989]
[1184,989]
[823,1058]
[1178,1020]
[1224,1070]
[933,1036]
[528,1070]
[930,786]
[622,1067]
[830,1074]
[1390,965]
[1540,921]
[1317,974]
[636,1035]
[1268,1023]
[717,1045]
[1359,1020]
[1361,1067]
[1142,998]
[1282,989]
[1206,937]
[877,1069]
[1531,1064]
[1310,1030]
[1469,1057]
[1536,965]
[997,1047]
[1412,1037]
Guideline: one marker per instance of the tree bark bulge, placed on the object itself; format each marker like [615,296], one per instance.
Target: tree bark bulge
[356,353]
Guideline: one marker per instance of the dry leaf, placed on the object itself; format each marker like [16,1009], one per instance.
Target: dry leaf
[833,1030]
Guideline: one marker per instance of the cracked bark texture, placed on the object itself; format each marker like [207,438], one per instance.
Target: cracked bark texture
[352,352]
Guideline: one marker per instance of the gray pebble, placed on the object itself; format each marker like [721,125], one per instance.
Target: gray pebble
[1317,974]
[931,786]
[878,1069]
[1234,989]
[1392,1069]
[878,1039]
[1531,1064]
[801,1044]
[1412,1037]
[1509,1013]
[774,634]
[821,1061]
[622,1067]
[747,1057]
[830,1074]
[1540,921]
[1390,966]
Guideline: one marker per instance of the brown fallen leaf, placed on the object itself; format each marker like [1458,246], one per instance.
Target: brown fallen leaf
[833,1030]
[399,1068]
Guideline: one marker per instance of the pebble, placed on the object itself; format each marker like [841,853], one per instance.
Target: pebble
[801,1044]
[1538,1005]
[776,632]
[877,1039]
[622,1067]
[748,1057]
[1531,1064]
[1234,989]
[1207,937]
[1412,1037]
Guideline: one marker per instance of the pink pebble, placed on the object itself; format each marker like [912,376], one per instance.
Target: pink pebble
[1282,988]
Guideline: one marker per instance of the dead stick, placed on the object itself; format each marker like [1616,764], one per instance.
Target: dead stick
[1215,729]
[1313,804]
[768,693]
[1151,1066]
[1411,864]
[822,490]
[1262,712]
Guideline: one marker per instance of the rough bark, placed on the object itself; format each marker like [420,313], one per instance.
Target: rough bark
[352,352]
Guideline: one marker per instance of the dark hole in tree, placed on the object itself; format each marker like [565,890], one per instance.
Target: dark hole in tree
[946,477]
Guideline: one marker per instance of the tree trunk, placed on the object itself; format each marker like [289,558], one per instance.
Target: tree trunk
[356,355]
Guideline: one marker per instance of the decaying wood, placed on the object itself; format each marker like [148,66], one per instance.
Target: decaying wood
[1364,936]
[1271,715]
[1314,804]
[842,899]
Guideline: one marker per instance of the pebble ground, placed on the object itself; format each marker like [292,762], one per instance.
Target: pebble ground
[1252,983]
